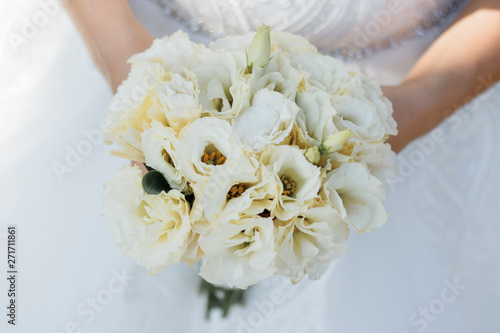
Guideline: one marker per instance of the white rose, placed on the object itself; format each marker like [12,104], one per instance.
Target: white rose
[232,192]
[357,98]
[152,229]
[130,144]
[310,241]
[233,43]
[363,109]
[383,105]
[316,115]
[159,145]
[239,254]
[223,90]
[268,121]
[290,43]
[357,195]
[299,137]
[378,158]
[278,75]
[326,73]
[172,52]
[133,106]
[208,137]
[193,251]
[177,100]
[298,180]
[126,115]
[236,45]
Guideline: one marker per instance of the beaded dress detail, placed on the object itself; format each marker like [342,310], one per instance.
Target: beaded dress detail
[359,28]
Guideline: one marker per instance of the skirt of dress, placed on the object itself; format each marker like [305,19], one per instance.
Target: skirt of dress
[434,267]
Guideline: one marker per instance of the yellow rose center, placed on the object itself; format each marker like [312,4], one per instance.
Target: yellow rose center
[235,191]
[288,185]
[213,158]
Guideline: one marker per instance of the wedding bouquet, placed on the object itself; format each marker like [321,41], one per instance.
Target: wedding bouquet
[261,154]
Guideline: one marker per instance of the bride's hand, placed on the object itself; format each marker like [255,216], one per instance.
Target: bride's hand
[112,35]
[408,101]
[463,62]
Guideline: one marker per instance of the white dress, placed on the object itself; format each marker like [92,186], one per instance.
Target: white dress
[434,267]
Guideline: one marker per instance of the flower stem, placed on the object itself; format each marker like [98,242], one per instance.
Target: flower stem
[220,297]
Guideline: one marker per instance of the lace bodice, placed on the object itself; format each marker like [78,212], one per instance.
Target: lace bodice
[343,28]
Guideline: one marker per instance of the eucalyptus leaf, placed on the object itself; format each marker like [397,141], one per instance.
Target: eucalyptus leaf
[153,183]
[189,199]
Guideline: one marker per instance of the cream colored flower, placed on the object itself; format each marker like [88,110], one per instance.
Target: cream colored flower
[130,143]
[173,52]
[159,145]
[126,115]
[239,254]
[357,98]
[316,114]
[290,43]
[241,190]
[207,144]
[299,137]
[298,180]
[268,121]
[357,195]
[324,72]
[378,158]
[360,116]
[223,90]
[279,75]
[238,44]
[309,241]
[383,105]
[193,251]
[152,229]
[364,110]
[176,101]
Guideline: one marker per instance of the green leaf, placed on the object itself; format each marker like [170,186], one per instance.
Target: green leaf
[153,183]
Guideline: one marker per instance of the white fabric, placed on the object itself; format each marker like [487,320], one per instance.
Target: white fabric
[443,222]
[329,24]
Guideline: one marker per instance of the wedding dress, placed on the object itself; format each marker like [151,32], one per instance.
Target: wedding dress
[434,267]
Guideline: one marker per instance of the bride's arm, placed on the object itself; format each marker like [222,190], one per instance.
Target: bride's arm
[463,62]
[112,34]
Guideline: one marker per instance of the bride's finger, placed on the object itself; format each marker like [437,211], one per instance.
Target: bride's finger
[141,166]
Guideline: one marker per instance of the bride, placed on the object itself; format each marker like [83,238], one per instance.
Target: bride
[435,265]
